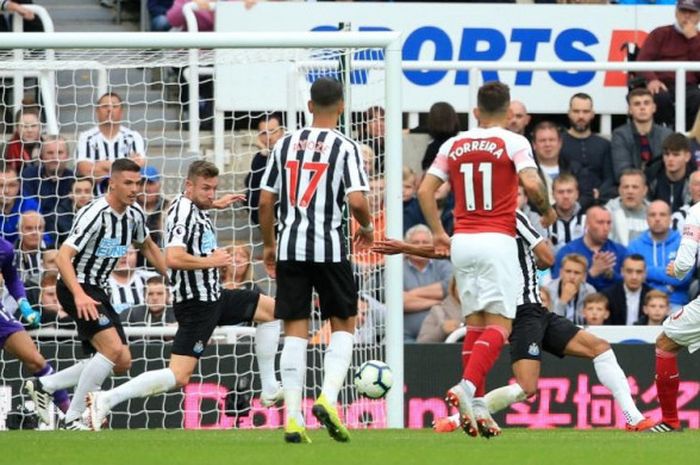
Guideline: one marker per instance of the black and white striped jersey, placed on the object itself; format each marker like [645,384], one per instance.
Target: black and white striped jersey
[100,235]
[564,231]
[131,293]
[527,239]
[189,227]
[93,146]
[29,265]
[312,171]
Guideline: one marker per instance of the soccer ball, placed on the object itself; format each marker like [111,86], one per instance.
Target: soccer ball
[373,379]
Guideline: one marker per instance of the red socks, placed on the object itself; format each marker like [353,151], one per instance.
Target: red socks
[667,381]
[484,354]
[473,334]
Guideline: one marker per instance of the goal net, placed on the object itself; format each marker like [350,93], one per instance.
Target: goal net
[228,106]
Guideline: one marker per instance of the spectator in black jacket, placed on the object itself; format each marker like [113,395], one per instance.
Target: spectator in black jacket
[586,155]
[443,123]
[58,225]
[671,183]
[270,130]
[626,298]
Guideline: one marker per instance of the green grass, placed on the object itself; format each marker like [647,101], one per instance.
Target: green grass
[516,446]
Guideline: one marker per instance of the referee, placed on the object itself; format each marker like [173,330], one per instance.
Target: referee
[200,305]
[311,172]
[102,233]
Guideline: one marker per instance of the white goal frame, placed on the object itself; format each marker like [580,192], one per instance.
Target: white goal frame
[388,41]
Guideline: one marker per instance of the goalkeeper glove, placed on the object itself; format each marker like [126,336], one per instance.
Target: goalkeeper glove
[31,316]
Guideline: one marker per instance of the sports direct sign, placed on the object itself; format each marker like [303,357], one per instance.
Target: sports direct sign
[467,33]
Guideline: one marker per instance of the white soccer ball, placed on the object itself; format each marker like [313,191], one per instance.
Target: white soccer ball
[373,379]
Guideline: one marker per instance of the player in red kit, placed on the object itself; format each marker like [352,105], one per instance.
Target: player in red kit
[483,166]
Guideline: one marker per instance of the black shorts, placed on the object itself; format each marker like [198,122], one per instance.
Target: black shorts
[334,283]
[536,329]
[108,317]
[197,320]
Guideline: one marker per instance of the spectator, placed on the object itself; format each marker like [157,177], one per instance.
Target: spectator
[16,7]
[51,180]
[534,217]
[158,10]
[372,133]
[629,209]
[626,298]
[678,217]
[443,123]
[587,155]
[270,130]
[98,147]
[59,224]
[546,141]
[658,246]
[368,160]
[127,284]
[675,42]
[671,183]
[443,318]
[571,218]
[239,274]
[25,144]
[48,260]
[637,143]
[413,215]
[425,282]
[153,203]
[156,309]
[368,264]
[595,309]
[604,255]
[28,250]
[11,203]
[519,118]
[694,137]
[656,308]
[568,291]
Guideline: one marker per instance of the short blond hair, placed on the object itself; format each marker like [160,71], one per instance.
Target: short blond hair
[575,258]
[655,294]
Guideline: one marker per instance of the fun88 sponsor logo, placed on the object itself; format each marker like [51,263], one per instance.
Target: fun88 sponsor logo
[490,44]
[111,248]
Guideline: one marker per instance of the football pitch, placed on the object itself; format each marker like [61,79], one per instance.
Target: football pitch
[385,447]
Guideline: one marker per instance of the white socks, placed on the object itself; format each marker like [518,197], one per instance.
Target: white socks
[63,379]
[612,377]
[336,363]
[144,385]
[293,369]
[96,370]
[503,397]
[267,337]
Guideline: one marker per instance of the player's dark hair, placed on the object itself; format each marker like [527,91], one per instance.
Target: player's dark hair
[202,169]
[639,92]
[635,257]
[493,98]
[326,92]
[582,96]
[125,164]
[676,142]
[596,298]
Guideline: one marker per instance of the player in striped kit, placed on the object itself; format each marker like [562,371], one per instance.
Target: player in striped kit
[102,233]
[311,172]
[199,303]
[536,329]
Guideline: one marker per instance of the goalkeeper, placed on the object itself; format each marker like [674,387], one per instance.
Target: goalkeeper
[13,338]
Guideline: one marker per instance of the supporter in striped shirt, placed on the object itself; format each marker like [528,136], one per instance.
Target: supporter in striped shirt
[98,147]
[102,233]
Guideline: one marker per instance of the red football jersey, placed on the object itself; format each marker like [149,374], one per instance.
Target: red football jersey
[482,167]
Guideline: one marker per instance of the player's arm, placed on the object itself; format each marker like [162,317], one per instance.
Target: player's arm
[393,247]
[86,306]
[687,252]
[359,207]
[152,252]
[177,258]
[426,198]
[544,255]
[356,187]
[536,191]
[266,217]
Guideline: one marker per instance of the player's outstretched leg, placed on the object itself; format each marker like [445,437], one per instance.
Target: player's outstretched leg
[293,369]
[667,384]
[336,363]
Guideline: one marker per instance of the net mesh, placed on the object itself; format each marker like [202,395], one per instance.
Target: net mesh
[153,86]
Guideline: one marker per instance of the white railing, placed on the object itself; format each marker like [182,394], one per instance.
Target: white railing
[612,334]
[46,79]
[222,334]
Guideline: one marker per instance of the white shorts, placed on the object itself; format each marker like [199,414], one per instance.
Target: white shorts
[487,273]
[683,326]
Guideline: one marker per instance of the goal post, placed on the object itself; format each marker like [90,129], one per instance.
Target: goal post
[145,47]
